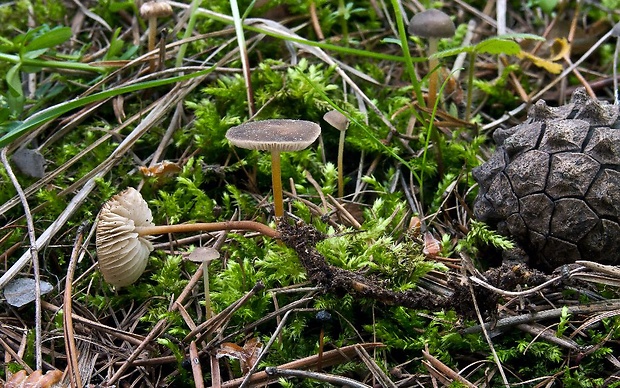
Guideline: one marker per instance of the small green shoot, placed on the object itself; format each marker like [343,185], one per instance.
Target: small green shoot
[480,233]
[502,44]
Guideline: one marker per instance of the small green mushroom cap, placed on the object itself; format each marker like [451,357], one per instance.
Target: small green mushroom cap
[431,23]
[274,135]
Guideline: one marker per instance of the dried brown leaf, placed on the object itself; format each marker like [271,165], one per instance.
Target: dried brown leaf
[36,379]
[247,355]
[161,169]
[431,245]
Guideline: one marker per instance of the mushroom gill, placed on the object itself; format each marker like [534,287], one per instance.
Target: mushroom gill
[122,252]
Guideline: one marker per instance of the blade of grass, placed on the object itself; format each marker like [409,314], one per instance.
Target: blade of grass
[55,111]
[189,29]
[275,34]
[404,45]
[243,53]
[52,64]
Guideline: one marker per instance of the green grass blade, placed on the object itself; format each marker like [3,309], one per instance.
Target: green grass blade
[55,111]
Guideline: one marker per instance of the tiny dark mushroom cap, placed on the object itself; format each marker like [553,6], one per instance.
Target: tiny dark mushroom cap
[122,253]
[431,23]
[274,135]
[336,120]
[155,9]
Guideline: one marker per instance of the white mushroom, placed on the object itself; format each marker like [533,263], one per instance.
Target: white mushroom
[125,226]
[122,252]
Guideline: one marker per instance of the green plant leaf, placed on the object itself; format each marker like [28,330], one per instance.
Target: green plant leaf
[502,44]
[519,35]
[453,52]
[14,82]
[498,46]
[49,39]
[34,53]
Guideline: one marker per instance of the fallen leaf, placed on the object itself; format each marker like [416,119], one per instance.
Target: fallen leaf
[21,291]
[164,168]
[36,379]
[29,162]
[247,355]
[431,245]
[551,67]
[252,348]
[559,49]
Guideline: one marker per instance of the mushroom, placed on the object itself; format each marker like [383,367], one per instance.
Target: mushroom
[205,255]
[432,24]
[275,135]
[151,10]
[124,230]
[339,121]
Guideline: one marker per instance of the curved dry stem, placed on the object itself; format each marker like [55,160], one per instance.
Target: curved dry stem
[208,227]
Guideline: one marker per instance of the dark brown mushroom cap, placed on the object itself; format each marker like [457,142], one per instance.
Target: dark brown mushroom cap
[274,135]
[336,120]
[431,23]
[155,9]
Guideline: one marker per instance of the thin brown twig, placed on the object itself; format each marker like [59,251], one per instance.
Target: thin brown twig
[376,371]
[15,356]
[275,334]
[196,369]
[527,292]
[593,307]
[330,358]
[128,337]
[487,337]
[443,368]
[155,331]
[69,334]
[219,320]
[325,377]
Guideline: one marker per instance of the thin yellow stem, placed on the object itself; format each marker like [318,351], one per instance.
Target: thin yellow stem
[276,177]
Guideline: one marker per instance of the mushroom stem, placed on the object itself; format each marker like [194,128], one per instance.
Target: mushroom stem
[208,227]
[433,64]
[151,43]
[341,164]
[433,81]
[205,282]
[276,177]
